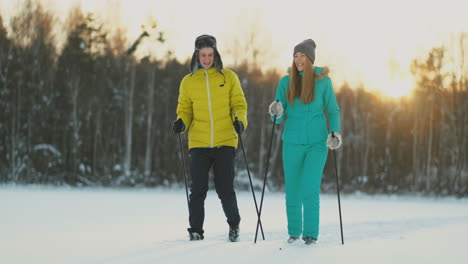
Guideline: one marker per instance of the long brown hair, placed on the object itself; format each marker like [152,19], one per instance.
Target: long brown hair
[304,87]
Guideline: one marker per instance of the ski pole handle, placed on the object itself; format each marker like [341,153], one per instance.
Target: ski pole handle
[277,101]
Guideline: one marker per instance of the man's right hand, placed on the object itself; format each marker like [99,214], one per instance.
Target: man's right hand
[178,126]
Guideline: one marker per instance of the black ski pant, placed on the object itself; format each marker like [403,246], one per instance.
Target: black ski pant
[222,161]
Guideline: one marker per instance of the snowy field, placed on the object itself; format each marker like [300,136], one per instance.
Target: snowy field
[47,225]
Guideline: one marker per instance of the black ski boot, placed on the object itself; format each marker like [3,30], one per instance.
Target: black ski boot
[309,240]
[234,233]
[195,236]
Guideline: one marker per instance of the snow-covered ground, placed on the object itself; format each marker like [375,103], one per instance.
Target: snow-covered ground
[49,225]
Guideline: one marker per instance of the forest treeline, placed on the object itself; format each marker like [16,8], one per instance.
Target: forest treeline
[80,110]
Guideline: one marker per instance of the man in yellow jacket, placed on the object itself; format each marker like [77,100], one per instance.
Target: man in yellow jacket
[213,109]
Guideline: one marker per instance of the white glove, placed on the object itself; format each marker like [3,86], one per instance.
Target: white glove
[276,109]
[334,142]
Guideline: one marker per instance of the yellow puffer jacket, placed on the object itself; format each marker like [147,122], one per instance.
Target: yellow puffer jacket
[208,103]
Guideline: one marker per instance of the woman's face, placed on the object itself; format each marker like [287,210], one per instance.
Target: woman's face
[299,60]
[206,57]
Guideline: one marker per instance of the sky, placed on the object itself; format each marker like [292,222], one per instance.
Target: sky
[45,225]
[362,41]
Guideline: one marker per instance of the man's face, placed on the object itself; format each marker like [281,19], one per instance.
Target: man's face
[206,57]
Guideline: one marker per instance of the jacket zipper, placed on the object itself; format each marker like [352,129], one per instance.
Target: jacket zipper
[209,109]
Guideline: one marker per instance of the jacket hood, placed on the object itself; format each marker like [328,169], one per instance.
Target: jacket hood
[321,72]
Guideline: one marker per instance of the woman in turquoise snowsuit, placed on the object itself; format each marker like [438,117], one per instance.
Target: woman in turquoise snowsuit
[302,96]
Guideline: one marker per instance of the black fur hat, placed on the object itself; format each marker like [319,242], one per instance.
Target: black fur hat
[206,41]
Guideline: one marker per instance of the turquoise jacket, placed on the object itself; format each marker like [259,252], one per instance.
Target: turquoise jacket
[306,123]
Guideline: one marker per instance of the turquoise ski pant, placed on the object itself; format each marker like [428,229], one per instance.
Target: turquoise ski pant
[303,168]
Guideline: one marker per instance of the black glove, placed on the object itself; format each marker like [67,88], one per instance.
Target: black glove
[178,126]
[238,126]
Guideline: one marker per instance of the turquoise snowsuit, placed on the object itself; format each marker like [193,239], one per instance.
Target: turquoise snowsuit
[305,151]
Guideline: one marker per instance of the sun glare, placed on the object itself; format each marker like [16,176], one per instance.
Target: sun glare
[397,88]
[377,57]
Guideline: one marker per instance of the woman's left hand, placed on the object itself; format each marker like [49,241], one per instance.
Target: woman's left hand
[334,140]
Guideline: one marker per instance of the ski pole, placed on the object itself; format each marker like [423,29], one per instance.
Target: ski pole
[250,180]
[183,168]
[265,177]
[338,192]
